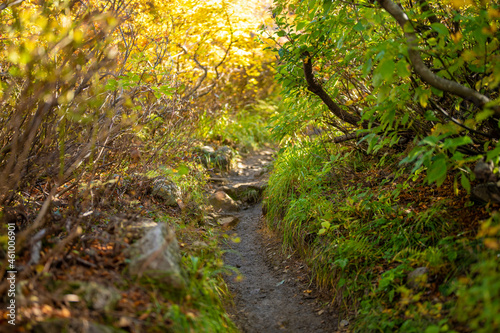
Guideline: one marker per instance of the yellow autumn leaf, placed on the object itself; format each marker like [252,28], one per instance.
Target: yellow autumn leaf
[461,3]
[493,13]
[491,243]
[456,37]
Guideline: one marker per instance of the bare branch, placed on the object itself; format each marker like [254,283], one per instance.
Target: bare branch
[348,137]
[447,115]
[314,87]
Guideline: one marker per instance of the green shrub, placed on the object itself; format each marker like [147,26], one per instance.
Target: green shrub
[362,242]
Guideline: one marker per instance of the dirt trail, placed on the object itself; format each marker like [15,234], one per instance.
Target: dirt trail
[274,294]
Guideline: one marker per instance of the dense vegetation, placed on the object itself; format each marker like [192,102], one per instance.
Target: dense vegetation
[386,178]
[386,220]
[98,99]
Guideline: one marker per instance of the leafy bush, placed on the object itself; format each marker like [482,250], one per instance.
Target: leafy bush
[95,97]
[429,75]
[362,237]
[416,85]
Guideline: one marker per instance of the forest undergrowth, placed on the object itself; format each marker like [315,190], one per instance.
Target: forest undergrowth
[105,109]
[399,254]
[387,178]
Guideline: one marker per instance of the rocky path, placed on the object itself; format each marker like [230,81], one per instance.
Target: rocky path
[272,293]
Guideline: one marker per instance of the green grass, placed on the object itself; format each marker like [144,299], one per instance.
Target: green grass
[245,129]
[362,241]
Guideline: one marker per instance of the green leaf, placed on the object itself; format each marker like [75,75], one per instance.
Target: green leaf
[341,262]
[429,140]
[405,118]
[464,180]
[321,231]
[456,142]
[325,225]
[327,5]
[440,29]
[166,90]
[437,170]
[486,145]
[386,68]
[300,25]
[484,115]
[367,67]
[423,98]
[182,170]
[432,41]
[493,153]
[432,329]
[403,69]
[112,84]
[429,114]
[358,27]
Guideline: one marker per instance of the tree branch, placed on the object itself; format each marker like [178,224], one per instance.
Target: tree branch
[314,87]
[421,69]
[348,137]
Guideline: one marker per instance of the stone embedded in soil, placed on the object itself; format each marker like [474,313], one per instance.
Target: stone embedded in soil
[344,323]
[98,297]
[210,221]
[239,191]
[486,193]
[220,180]
[157,255]
[132,228]
[199,247]
[166,190]
[207,150]
[229,221]
[221,201]
[418,277]
[223,157]
[219,159]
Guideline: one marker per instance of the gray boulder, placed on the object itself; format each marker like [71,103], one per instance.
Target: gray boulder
[489,192]
[221,201]
[157,255]
[484,171]
[166,190]
[98,297]
[418,278]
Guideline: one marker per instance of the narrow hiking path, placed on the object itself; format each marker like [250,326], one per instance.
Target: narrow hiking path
[272,292]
